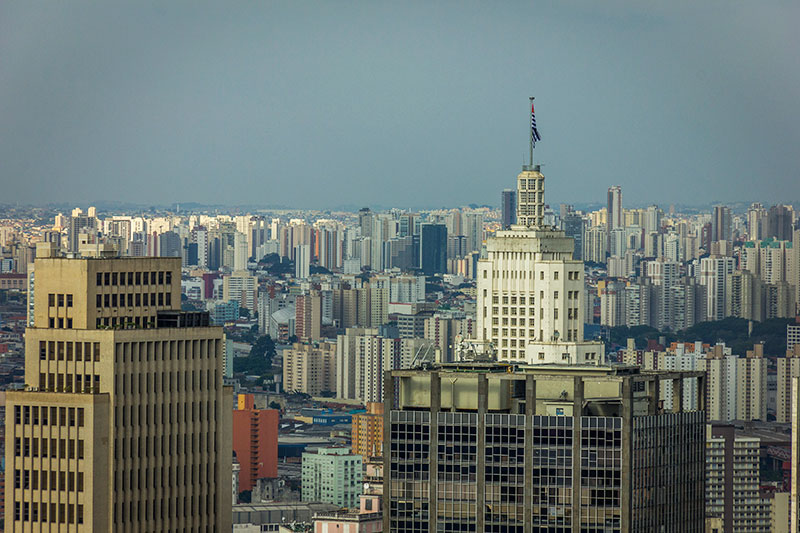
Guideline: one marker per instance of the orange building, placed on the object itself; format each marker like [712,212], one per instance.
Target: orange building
[255,441]
[368,431]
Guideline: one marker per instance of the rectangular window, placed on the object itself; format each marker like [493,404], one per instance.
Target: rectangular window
[146,278]
[51,300]
[114,278]
[99,279]
[61,300]
[169,277]
[161,278]
[138,278]
[99,300]
[107,278]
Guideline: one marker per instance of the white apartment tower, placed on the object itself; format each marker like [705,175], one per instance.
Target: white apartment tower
[530,289]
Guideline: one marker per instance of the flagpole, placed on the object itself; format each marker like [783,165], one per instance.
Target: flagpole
[530,129]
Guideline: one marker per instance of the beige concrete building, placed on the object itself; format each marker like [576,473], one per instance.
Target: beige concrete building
[242,287]
[751,389]
[733,498]
[125,424]
[310,368]
[530,289]
[788,368]
[795,484]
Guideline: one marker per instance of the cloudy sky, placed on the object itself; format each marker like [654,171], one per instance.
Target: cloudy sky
[322,104]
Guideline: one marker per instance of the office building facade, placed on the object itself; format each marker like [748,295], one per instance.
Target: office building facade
[489,447]
[125,423]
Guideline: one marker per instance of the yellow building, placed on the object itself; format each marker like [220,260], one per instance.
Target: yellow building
[124,424]
[368,431]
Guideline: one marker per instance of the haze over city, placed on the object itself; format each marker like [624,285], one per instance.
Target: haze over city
[317,105]
[399,267]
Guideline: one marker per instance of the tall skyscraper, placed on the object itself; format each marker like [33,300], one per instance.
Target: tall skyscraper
[80,223]
[530,288]
[779,222]
[795,487]
[721,224]
[614,211]
[125,425]
[433,249]
[488,447]
[732,485]
[508,207]
[255,441]
[302,267]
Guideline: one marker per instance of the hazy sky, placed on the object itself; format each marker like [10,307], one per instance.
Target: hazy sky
[320,104]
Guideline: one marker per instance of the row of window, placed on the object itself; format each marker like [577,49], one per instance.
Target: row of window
[134,299]
[522,274]
[137,415]
[59,300]
[44,447]
[165,507]
[69,382]
[48,480]
[166,351]
[59,513]
[114,279]
[67,350]
[60,323]
[56,416]
[163,382]
[163,446]
[514,322]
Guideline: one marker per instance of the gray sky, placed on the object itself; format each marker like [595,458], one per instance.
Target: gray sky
[311,104]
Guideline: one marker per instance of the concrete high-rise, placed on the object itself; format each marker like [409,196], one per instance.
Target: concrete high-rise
[310,368]
[368,431]
[490,447]
[530,288]
[732,481]
[125,424]
[332,475]
[721,224]
[615,218]
[788,369]
[255,442]
[795,459]
[433,249]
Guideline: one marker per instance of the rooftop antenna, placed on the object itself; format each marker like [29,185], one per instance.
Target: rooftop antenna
[534,133]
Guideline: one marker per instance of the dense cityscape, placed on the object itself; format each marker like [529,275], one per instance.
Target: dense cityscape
[277,267]
[320,325]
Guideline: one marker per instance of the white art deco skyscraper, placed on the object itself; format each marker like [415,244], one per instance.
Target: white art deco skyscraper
[530,289]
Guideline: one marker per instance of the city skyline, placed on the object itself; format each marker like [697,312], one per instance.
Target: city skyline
[230,104]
